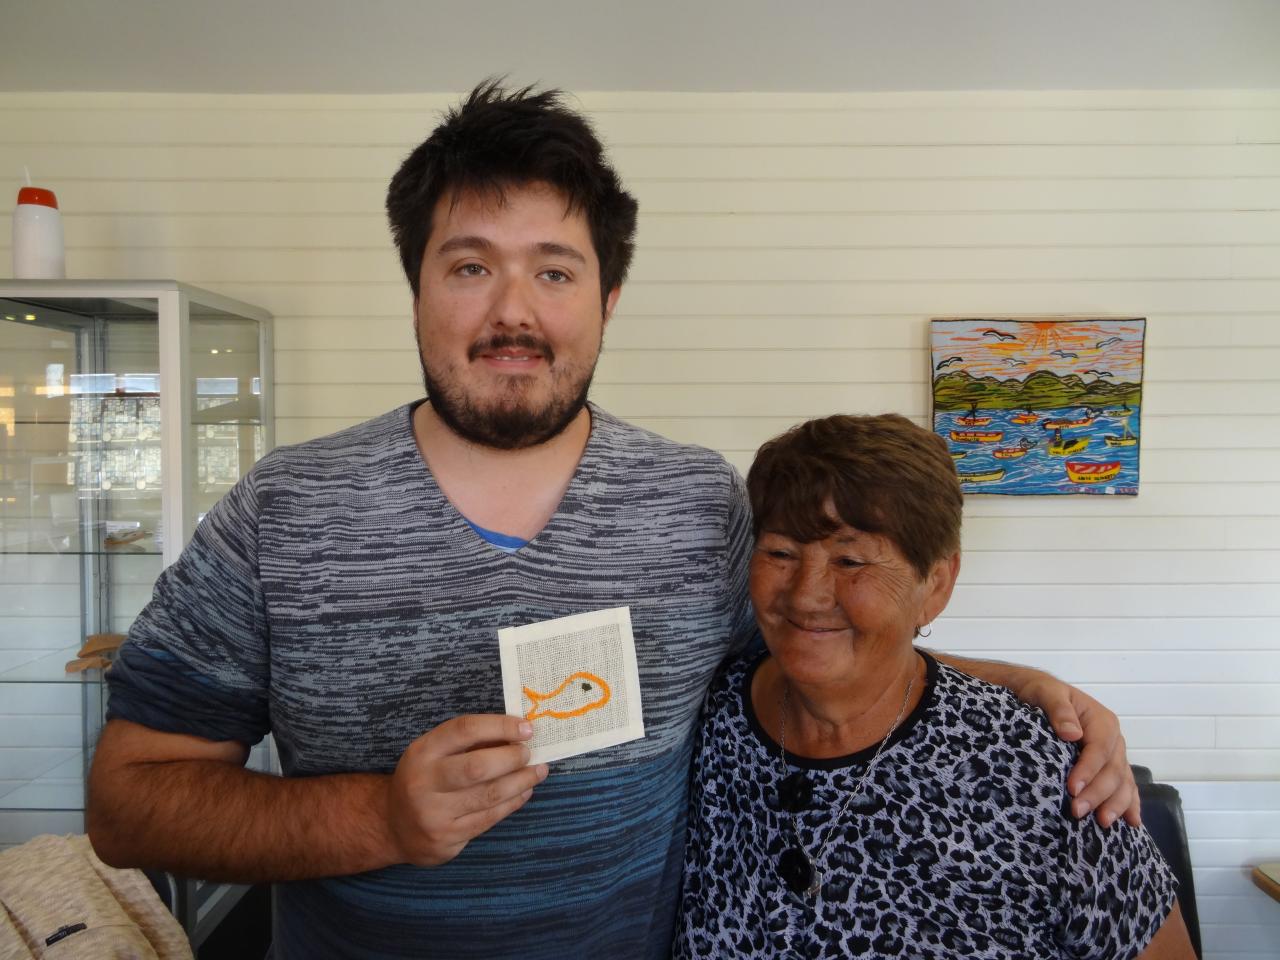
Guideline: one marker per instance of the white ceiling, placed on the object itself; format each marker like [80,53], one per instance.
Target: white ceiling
[389,46]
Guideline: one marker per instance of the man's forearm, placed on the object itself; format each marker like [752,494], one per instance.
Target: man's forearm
[218,821]
[1011,676]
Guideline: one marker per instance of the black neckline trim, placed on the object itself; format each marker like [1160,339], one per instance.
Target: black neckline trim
[772,747]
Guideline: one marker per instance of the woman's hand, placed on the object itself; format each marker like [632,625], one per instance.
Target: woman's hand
[1101,780]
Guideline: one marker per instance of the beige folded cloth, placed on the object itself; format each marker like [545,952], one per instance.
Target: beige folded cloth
[58,900]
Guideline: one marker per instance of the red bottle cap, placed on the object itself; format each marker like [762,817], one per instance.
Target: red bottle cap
[38,195]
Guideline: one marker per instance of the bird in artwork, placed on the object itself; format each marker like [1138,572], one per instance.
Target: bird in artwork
[1065,355]
[1015,362]
[1100,373]
[1002,337]
[1106,343]
[948,362]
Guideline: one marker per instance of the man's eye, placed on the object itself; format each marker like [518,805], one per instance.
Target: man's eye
[556,276]
[471,270]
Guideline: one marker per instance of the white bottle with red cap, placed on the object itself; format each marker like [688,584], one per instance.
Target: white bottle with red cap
[38,253]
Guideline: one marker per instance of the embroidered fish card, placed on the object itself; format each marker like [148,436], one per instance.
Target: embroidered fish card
[577,679]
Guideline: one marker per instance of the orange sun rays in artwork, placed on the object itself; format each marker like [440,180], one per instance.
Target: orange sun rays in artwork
[1014,349]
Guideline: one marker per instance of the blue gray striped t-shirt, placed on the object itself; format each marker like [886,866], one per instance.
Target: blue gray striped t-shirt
[337,599]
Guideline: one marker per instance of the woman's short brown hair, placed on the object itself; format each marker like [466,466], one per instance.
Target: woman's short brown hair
[882,475]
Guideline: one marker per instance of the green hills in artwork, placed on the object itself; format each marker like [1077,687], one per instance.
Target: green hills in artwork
[1042,390]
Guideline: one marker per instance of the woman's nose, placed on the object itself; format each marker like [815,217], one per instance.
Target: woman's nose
[811,588]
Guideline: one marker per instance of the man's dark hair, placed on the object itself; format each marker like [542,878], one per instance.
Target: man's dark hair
[497,139]
[880,474]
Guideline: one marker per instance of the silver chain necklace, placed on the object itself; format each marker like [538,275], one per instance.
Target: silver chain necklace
[815,883]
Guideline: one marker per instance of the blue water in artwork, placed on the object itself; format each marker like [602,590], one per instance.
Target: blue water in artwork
[1039,472]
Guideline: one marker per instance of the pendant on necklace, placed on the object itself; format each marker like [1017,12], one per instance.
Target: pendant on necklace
[799,872]
[816,884]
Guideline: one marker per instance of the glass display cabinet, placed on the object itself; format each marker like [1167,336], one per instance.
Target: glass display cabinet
[127,409]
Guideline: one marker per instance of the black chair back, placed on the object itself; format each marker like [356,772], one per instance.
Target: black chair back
[1162,816]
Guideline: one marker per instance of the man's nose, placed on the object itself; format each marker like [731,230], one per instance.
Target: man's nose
[513,304]
[811,587]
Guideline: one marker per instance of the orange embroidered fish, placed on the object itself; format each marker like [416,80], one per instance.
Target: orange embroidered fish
[581,693]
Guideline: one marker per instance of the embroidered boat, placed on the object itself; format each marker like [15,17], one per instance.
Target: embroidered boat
[1061,447]
[971,419]
[1065,424]
[1025,418]
[1012,453]
[977,436]
[986,476]
[1126,439]
[1081,471]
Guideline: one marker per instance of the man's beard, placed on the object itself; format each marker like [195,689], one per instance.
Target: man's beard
[508,423]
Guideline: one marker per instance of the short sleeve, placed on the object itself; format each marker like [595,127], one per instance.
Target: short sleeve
[739,544]
[1116,890]
[197,657]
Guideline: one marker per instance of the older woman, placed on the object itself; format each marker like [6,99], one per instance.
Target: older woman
[852,796]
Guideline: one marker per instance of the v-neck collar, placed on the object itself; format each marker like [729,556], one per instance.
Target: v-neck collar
[576,498]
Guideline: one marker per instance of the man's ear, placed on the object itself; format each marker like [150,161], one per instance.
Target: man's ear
[610,302]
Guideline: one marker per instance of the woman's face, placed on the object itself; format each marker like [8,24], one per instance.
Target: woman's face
[832,609]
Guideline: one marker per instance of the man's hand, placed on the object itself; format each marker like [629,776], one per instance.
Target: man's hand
[456,781]
[1101,780]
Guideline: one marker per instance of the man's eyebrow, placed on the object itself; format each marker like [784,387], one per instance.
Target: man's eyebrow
[549,249]
[464,243]
[546,248]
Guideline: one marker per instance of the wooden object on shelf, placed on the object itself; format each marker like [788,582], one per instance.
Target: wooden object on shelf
[101,643]
[1266,877]
[98,652]
[80,664]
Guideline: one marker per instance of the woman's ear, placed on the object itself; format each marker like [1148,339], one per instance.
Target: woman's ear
[938,586]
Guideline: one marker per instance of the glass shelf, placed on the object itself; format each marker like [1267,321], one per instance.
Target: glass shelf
[127,409]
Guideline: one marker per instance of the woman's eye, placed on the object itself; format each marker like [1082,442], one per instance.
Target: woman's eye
[849,563]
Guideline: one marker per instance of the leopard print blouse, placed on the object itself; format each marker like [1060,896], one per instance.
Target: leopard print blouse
[960,845]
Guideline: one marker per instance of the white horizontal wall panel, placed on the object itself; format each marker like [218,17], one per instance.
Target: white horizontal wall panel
[782,302]
[729,265]
[367,229]
[1200,700]
[1170,667]
[1240,733]
[1153,733]
[1004,638]
[622,128]
[1220,763]
[1117,600]
[677,162]
[1137,567]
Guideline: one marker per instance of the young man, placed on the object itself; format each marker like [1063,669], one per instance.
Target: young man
[346,595]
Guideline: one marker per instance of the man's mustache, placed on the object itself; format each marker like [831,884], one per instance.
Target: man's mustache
[522,341]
